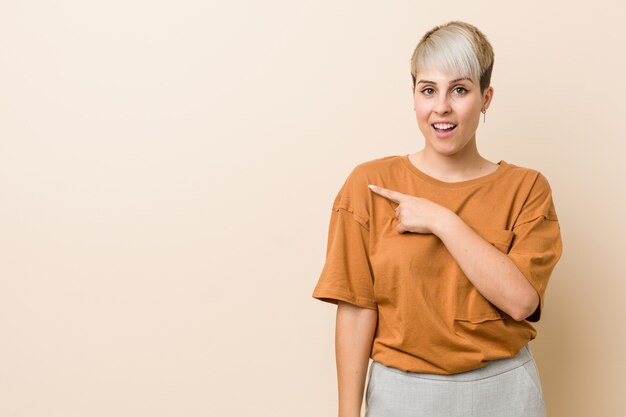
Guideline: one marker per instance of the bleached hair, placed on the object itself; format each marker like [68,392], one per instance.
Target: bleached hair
[457,49]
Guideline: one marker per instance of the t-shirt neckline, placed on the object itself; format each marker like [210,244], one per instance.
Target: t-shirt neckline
[502,166]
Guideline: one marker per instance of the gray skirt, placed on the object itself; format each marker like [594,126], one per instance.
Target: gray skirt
[508,387]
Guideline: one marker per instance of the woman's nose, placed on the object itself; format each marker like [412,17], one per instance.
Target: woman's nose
[442,105]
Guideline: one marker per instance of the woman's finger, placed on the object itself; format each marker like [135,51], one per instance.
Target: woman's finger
[390,194]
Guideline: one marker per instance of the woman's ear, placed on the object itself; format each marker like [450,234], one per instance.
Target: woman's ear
[487,97]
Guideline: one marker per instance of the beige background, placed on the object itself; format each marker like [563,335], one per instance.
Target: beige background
[167,171]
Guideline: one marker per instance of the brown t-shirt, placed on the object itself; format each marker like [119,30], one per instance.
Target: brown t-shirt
[431,318]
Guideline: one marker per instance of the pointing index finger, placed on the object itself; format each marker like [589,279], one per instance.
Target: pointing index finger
[387,193]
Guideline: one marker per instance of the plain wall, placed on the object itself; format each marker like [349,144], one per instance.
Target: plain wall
[167,171]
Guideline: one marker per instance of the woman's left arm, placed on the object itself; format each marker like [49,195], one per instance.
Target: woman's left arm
[492,272]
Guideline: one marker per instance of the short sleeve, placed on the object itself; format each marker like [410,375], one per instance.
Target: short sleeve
[347,272]
[537,245]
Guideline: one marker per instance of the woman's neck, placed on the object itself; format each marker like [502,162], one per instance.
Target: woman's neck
[452,168]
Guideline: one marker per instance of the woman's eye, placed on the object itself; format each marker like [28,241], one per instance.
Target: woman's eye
[429,91]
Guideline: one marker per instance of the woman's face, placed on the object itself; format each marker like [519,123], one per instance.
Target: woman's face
[439,97]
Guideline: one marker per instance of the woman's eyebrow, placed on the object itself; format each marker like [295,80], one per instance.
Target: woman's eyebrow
[453,81]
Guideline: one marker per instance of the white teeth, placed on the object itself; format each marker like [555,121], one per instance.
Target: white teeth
[443,125]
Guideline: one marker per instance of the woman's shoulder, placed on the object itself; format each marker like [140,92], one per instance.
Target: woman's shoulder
[533,177]
[377,163]
[373,168]
[535,189]
[537,193]
[354,194]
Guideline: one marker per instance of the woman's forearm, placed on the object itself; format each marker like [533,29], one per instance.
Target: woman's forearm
[354,334]
[492,272]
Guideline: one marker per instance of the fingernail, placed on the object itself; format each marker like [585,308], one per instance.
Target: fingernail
[372,187]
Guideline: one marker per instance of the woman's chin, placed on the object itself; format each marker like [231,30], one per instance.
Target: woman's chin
[446,149]
[447,146]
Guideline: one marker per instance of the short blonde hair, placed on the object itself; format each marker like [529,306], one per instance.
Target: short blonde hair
[456,48]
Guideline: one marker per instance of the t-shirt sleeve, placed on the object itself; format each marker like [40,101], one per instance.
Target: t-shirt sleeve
[347,272]
[537,245]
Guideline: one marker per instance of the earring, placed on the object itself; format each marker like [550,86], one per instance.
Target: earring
[484,114]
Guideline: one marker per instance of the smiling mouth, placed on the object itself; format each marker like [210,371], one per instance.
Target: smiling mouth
[444,130]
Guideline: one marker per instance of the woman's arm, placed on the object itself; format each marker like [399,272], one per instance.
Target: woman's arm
[492,272]
[354,334]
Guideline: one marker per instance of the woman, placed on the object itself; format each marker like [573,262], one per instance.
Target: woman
[439,260]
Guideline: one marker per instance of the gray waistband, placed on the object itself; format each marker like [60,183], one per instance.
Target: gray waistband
[495,367]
